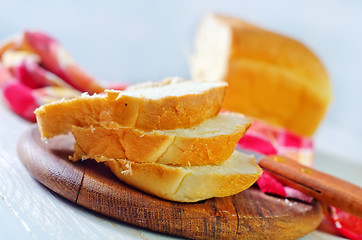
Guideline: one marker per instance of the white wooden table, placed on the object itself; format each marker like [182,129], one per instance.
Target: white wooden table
[28,210]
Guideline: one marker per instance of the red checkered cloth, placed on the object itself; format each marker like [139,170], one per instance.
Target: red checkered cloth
[270,140]
[35,69]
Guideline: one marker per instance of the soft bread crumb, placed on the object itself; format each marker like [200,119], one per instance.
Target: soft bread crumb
[128,169]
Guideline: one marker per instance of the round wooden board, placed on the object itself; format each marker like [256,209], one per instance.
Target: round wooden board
[250,214]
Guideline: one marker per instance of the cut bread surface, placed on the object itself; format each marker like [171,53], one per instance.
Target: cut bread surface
[210,142]
[168,105]
[189,184]
[175,87]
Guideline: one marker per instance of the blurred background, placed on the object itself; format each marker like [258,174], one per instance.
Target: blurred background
[136,41]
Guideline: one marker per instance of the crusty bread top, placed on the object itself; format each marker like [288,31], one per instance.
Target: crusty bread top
[248,41]
[171,105]
[189,184]
[210,142]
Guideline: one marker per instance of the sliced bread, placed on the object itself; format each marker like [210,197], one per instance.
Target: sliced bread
[210,142]
[170,104]
[189,184]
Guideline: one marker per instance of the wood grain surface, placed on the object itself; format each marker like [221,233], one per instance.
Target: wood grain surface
[250,214]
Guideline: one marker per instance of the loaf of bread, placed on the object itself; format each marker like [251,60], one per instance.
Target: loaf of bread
[170,104]
[189,184]
[210,142]
[270,76]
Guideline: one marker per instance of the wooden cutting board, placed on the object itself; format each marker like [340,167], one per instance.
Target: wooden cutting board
[248,215]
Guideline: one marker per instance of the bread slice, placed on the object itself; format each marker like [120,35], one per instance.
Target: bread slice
[210,142]
[271,77]
[189,184]
[170,104]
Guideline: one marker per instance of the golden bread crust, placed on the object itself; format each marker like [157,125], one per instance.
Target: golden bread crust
[166,147]
[189,184]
